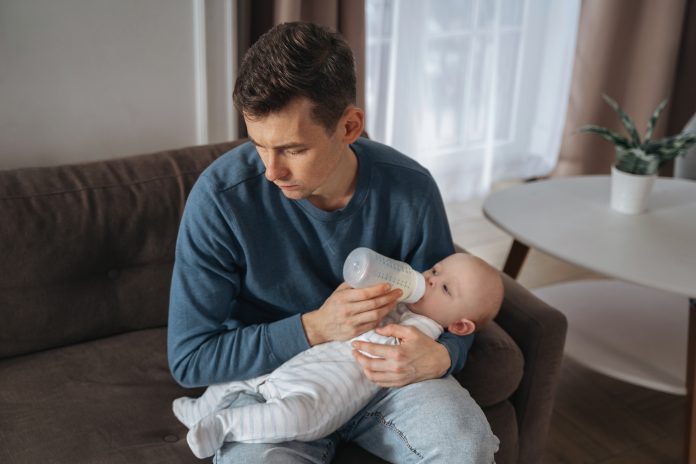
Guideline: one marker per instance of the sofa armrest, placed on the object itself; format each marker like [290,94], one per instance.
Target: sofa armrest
[539,330]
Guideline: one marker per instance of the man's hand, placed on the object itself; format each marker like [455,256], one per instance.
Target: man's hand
[348,312]
[417,358]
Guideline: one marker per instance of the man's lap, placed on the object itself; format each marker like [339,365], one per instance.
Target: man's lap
[415,423]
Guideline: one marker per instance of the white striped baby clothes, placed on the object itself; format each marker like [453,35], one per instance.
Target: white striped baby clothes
[307,398]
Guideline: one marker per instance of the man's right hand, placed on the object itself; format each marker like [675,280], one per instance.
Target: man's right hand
[348,312]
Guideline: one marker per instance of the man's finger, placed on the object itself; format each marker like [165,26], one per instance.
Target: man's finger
[395,330]
[371,318]
[386,352]
[378,371]
[368,293]
[388,299]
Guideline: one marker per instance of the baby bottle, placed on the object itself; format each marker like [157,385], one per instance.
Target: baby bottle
[365,267]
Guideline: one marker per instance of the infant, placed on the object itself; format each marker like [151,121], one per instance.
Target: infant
[320,389]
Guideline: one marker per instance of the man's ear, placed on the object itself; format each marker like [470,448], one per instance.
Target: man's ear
[462,327]
[353,122]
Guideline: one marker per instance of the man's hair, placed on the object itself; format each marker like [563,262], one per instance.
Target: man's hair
[294,60]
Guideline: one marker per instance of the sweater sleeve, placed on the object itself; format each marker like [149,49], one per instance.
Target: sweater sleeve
[206,343]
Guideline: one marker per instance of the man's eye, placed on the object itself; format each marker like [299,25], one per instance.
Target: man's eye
[295,152]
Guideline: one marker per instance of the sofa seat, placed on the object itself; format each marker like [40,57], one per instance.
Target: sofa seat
[107,400]
[113,397]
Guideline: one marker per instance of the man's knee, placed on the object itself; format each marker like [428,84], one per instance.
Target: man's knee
[462,439]
[465,434]
[295,452]
[432,421]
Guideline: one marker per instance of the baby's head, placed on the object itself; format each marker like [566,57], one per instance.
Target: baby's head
[462,293]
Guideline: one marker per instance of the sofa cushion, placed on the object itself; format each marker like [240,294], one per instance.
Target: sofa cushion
[503,420]
[86,250]
[494,366]
[106,401]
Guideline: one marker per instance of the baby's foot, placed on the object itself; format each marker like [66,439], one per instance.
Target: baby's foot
[186,410]
[206,437]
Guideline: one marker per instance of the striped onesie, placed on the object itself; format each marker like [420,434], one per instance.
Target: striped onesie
[307,397]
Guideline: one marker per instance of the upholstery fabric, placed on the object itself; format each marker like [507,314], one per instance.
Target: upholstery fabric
[86,253]
[494,359]
[105,401]
[87,249]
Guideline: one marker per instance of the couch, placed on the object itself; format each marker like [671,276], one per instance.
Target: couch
[86,254]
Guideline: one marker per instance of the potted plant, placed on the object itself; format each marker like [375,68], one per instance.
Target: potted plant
[637,161]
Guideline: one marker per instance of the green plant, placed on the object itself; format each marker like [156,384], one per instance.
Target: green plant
[642,157]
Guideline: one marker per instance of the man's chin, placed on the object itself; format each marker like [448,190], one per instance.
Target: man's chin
[293,194]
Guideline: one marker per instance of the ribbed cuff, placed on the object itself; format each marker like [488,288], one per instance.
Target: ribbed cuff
[286,338]
[458,348]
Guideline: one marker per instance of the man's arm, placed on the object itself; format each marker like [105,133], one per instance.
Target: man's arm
[206,344]
[207,341]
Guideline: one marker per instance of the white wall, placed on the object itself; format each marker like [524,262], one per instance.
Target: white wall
[92,79]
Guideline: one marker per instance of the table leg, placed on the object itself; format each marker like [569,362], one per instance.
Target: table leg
[690,436]
[515,259]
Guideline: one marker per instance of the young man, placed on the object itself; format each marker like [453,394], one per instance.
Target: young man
[265,231]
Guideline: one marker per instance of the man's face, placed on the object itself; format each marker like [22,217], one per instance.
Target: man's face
[301,158]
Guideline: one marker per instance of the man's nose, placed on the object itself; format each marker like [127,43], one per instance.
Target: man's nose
[274,167]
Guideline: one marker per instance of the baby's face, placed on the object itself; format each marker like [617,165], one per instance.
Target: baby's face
[445,298]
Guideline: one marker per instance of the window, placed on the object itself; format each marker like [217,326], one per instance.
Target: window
[475,90]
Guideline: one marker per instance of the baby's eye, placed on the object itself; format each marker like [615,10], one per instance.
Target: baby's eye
[434,271]
[445,289]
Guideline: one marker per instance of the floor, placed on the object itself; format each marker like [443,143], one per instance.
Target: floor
[596,419]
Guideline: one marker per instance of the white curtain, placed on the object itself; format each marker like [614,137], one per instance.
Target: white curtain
[475,90]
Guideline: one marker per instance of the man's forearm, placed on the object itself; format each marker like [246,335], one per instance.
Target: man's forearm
[209,357]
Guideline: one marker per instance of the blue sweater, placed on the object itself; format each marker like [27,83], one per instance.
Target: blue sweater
[249,261]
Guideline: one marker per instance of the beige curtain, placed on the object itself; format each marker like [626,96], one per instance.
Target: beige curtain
[636,52]
[344,16]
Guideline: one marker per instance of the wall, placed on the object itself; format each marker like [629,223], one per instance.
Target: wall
[92,79]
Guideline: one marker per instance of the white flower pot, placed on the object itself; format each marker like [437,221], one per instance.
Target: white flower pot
[629,192]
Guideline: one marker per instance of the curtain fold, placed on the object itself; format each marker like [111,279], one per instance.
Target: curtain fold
[344,16]
[684,91]
[629,50]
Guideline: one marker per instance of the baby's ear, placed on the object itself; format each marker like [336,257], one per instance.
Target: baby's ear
[462,327]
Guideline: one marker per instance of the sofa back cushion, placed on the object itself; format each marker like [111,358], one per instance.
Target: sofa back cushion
[86,250]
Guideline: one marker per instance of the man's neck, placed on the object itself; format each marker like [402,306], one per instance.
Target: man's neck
[342,181]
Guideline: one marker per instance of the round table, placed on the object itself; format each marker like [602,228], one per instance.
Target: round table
[638,327]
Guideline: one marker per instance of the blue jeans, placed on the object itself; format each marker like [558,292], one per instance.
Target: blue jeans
[433,421]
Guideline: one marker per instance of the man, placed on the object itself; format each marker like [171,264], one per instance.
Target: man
[265,231]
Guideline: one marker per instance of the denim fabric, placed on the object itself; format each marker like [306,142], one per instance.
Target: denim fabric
[435,421]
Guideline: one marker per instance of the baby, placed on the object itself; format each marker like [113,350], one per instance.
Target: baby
[320,389]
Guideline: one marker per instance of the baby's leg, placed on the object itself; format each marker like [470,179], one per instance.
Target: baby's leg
[276,421]
[307,410]
[216,397]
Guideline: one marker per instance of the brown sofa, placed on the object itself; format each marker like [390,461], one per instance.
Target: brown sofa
[86,254]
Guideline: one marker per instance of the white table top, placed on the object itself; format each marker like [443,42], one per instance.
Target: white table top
[570,218]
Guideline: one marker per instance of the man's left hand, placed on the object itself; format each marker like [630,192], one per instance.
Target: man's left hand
[418,357]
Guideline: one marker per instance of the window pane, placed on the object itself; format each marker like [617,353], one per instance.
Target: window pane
[463,85]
